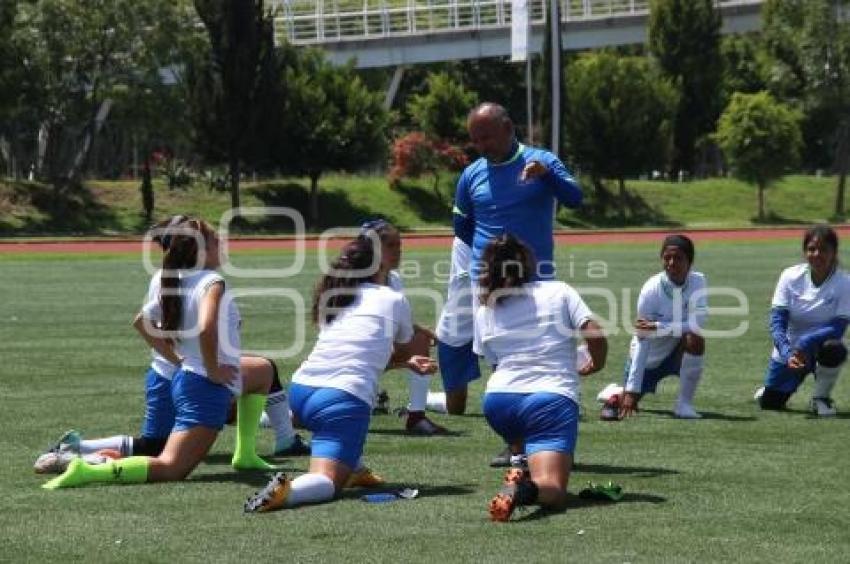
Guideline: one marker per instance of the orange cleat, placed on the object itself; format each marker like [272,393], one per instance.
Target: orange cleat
[364,478]
[517,489]
[271,497]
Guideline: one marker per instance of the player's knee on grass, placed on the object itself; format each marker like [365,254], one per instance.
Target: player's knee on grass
[832,353]
[693,344]
[168,469]
[773,399]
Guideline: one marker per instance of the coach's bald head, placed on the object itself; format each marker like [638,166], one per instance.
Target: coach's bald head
[491,131]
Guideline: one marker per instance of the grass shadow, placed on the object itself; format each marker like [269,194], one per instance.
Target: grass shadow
[425,490]
[809,415]
[605,208]
[425,203]
[255,479]
[636,471]
[574,502]
[224,458]
[708,415]
[773,218]
[404,433]
[66,209]
[335,209]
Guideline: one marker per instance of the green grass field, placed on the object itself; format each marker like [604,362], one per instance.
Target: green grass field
[739,485]
[109,208]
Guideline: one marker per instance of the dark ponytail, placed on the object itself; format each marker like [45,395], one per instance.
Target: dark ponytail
[508,264]
[182,254]
[163,231]
[337,290]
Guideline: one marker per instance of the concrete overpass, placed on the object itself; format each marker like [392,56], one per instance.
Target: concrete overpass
[385,33]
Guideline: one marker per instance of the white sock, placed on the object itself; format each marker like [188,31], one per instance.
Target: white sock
[310,488]
[437,402]
[639,353]
[277,408]
[825,378]
[121,443]
[689,376]
[418,391]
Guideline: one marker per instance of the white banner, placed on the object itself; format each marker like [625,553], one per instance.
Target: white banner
[519,30]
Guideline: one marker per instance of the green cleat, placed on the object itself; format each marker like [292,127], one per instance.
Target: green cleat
[602,492]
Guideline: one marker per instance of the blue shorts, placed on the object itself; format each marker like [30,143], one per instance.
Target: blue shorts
[458,366]
[670,366]
[159,407]
[338,420]
[544,421]
[781,378]
[198,401]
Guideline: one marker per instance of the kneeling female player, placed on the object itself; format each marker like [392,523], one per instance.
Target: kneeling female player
[159,406]
[808,317]
[362,323]
[528,331]
[671,309]
[199,326]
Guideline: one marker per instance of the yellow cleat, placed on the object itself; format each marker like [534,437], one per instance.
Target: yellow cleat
[364,478]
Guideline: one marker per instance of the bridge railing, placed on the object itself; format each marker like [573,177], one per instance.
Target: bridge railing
[325,21]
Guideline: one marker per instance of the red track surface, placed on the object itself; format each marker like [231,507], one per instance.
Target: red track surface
[413,240]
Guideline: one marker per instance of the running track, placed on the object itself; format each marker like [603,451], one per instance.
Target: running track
[413,240]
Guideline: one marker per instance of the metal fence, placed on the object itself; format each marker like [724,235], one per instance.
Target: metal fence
[326,21]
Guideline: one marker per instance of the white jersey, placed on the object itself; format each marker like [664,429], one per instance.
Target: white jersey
[158,362]
[531,339]
[193,286]
[353,350]
[455,325]
[677,309]
[810,306]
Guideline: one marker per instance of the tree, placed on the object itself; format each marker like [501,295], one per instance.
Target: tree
[146,188]
[745,68]
[9,79]
[329,120]
[620,114]
[809,45]
[75,56]
[235,84]
[7,56]
[684,35]
[416,154]
[761,140]
[441,111]
[496,80]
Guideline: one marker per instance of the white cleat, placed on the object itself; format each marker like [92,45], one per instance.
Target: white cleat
[57,461]
[54,462]
[823,407]
[686,411]
[611,389]
[758,393]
